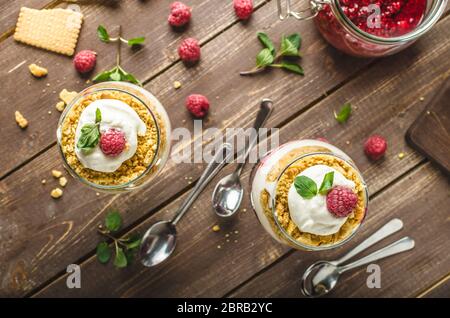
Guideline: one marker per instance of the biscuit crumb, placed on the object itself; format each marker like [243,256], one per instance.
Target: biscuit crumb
[56,174]
[401,155]
[422,98]
[37,71]
[176,84]
[97,194]
[56,193]
[44,181]
[67,96]
[216,228]
[62,181]
[20,120]
[60,106]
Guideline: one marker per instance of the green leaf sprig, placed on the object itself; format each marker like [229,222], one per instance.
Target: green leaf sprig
[90,133]
[117,73]
[307,188]
[284,58]
[124,250]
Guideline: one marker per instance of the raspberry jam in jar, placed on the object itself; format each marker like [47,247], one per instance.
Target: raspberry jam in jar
[369,28]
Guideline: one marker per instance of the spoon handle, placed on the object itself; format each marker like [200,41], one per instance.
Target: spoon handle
[389,228]
[264,112]
[219,160]
[399,246]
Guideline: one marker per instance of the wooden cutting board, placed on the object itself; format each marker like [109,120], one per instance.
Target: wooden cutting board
[430,133]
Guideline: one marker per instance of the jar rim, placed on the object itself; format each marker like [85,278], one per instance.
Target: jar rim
[435,12]
[320,247]
[108,86]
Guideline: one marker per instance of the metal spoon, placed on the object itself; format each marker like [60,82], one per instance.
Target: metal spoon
[227,195]
[324,269]
[330,273]
[160,239]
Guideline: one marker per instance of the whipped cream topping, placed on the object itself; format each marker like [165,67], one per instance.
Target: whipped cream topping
[115,114]
[312,215]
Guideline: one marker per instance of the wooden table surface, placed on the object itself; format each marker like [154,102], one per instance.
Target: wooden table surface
[40,236]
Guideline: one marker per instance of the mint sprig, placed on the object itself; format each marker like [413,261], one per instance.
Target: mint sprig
[117,73]
[307,188]
[90,133]
[268,57]
[124,249]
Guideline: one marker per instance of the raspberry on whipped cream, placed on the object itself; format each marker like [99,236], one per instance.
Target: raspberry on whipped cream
[312,215]
[117,117]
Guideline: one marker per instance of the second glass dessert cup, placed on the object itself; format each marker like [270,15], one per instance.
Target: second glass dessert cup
[270,204]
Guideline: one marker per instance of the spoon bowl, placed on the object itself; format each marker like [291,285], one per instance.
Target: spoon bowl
[158,243]
[227,195]
[324,280]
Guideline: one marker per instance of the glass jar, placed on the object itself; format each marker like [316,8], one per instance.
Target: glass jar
[274,174]
[152,149]
[339,30]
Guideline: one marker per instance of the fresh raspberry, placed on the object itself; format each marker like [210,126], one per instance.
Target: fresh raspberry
[341,201]
[197,105]
[84,61]
[189,50]
[180,14]
[112,142]
[375,147]
[243,8]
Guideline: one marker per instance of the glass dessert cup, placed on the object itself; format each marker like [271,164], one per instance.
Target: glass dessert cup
[269,176]
[341,32]
[152,149]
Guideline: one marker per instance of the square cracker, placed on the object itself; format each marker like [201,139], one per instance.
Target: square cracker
[55,30]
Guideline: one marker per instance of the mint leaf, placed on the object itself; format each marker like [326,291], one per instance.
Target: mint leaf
[295,39]
[103,252]
[120,261]
[89,137]
[266,41]
[327,183]
[264,58]
[344,113]
[136,41]
[102,34]
[305,186]
[98,116]
[288,48]
[113,221]
[293,67]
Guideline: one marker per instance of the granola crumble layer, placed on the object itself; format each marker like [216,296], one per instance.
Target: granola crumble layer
[282,190]
[131,168]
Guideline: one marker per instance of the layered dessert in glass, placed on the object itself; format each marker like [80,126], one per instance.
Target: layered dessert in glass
[309,195]
[114,136]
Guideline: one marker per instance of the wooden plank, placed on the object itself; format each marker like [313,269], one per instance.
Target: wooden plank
[220,68]
[421,200]
[10,12]
[154,57]
[440,289]
[199,268]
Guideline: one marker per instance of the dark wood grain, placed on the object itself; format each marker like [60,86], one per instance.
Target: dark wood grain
[440,289]
[201,269]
